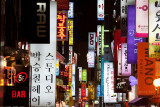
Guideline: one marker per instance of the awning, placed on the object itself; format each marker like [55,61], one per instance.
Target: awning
[139,101]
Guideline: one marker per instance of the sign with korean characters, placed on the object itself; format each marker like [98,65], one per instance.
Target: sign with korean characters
[146,71]
[126,68]
[70,72]
[98,91]
[124,11]
[141,18]
[70,54]
[91,40]
[98,46]
[73,85]
[71,10]
[84,75]
[70,29]
[102,75]
[100,9]
[91,58]
[154,29]
[62,26]
[83,89]
[62,4]
[43,66]
[109,95]
[57,67]
[91,90]
[80,73]
[131,40]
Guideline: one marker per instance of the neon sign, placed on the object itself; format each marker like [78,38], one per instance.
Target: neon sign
[62,26]
[18,94]
[21,77]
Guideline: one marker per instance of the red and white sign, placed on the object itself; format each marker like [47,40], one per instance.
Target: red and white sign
[100,9]
[91,40]
[83,89]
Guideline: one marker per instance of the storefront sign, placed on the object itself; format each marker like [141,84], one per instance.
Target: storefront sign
[62,26]
[57,67]
[146,71]
[70,54]
[100,9]
[80,73]
[84,75]
[91,40]
[98,46]
[73,85]
[102,75]
[83,89]
[91,59]
[102,40]
[62,4]
[70,30]
[126,68]
[154,29]
[71,10]
[131,40]
[70,72]
[44,66]
[91,90]
[119,62]
[98,91]
[124,12]
[141,18]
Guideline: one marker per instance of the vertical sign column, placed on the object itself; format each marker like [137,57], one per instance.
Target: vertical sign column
[154,29]
[100,9]
[44,66]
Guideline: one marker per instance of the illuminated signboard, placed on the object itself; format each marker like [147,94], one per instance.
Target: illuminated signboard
[73,85]
[71,10]
[83,89]
[43,63]
[80,73]
[62,26]
[124,10]
[141,18]
[109,95]
[91,59]
[154,29]
[70,54]
[146,71]
[91,40]
[91,90]
[98,46]
[98,91]
[102,75]
[100,9]
[57,67]
[70,72]
[131,40]
[37,28]
[70,29]
[102,40]
[84,75]
[17,95]
[62,4]
[126,68]
[119,62]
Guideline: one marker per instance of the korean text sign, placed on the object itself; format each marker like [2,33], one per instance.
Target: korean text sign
[43,65]
[154,29]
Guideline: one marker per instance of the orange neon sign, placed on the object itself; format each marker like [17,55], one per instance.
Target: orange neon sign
[62,26]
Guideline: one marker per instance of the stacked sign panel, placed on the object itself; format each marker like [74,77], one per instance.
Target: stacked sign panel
[100,9]
[70,29]
[141,18]
[154,29]
[98,46]
[146,71]
[44,66]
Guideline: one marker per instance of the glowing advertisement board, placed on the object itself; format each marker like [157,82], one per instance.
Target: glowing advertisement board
[91,59]
[131,40]
[91,90]
[57,67]
[146,71]
[83,89]
[126,68]
[84,75]
[62,4]
[98,46]
[80,73]
[141,18]
[119,62]
[70,54]
[109,95]
[98,90]
[124,11]
[102,75]
[100,9]
[73,69]
[91,40]
[73,85]
[43,65]
[154,29]
[121,97]
[70,30]
[86,92]
[71,10]
[62,26]
[102,40]
[70,72]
